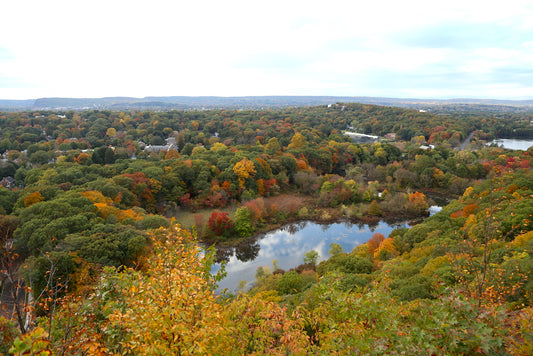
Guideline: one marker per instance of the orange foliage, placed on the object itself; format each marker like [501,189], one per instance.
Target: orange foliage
[374,242]
[260,187]
[226,186]
[82,158]
[386,245]
[301,164]
[470,209]
[96,197]
[105,207]
[256,208]
[171,154]
[457,214]
[33,198]
[418,200]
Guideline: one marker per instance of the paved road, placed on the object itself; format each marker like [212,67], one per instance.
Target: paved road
[467,140]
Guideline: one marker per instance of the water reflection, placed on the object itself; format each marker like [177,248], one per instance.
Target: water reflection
[247,252]
[288,245]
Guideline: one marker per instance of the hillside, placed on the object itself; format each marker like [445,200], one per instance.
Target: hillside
[257,102]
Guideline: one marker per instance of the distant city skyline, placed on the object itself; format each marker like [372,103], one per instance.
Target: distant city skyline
[407,49]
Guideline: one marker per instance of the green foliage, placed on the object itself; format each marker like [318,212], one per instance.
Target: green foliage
[242,222]
[346,263]
[335,249]
[34,343]
[311,257]
[292,282]
[154,222]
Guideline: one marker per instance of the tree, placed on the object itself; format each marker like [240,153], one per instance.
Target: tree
[111,132]
[169,309]
[374,209]
[273,145]
[220,223]
[298,141]
[244,169]
[33,198]
[243,224]
[374,242]
[335,249]
[311,257]
[172,154]
[418,201]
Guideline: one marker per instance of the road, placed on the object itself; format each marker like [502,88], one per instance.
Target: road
[467,140]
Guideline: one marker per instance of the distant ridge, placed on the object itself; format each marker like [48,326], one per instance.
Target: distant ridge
[241,102]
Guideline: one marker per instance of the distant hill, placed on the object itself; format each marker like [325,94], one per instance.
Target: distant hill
[254,102]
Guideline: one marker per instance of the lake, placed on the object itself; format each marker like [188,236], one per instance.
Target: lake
[288,245]
[513,144]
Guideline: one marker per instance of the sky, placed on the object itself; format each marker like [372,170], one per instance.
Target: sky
[405,49]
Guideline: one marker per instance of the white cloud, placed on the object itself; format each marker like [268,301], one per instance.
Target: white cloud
[139,48]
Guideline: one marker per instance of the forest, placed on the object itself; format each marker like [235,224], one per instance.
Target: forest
[104,216]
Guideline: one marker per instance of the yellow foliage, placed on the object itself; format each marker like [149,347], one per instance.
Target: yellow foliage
[361,250]
[111,132]
[437,173]
[172,309]
[468,191]
[297,141]
[434,264]
[386,245]
[105,207]
[218,147]
[96,197]
[522,240]
[419,252]
[244,169]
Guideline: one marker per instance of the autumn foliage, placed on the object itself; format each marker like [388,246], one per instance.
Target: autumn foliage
[220,223]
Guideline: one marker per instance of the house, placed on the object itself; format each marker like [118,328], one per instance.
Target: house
[8,182]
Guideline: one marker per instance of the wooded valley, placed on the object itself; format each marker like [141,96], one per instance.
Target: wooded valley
[103,215]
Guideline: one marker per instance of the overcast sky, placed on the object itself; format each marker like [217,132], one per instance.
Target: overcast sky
[408,48]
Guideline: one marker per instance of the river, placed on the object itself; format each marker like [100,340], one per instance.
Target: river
[288,245]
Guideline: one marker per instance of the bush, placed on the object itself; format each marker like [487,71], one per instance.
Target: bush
[154,222]
[220,223]
[292,283]
[345,263]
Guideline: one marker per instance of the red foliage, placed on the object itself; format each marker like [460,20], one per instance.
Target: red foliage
[269,183]
[220,222]
[186,200]
[256,208]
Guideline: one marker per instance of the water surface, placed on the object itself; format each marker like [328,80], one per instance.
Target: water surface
[513,144]
[288,245]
